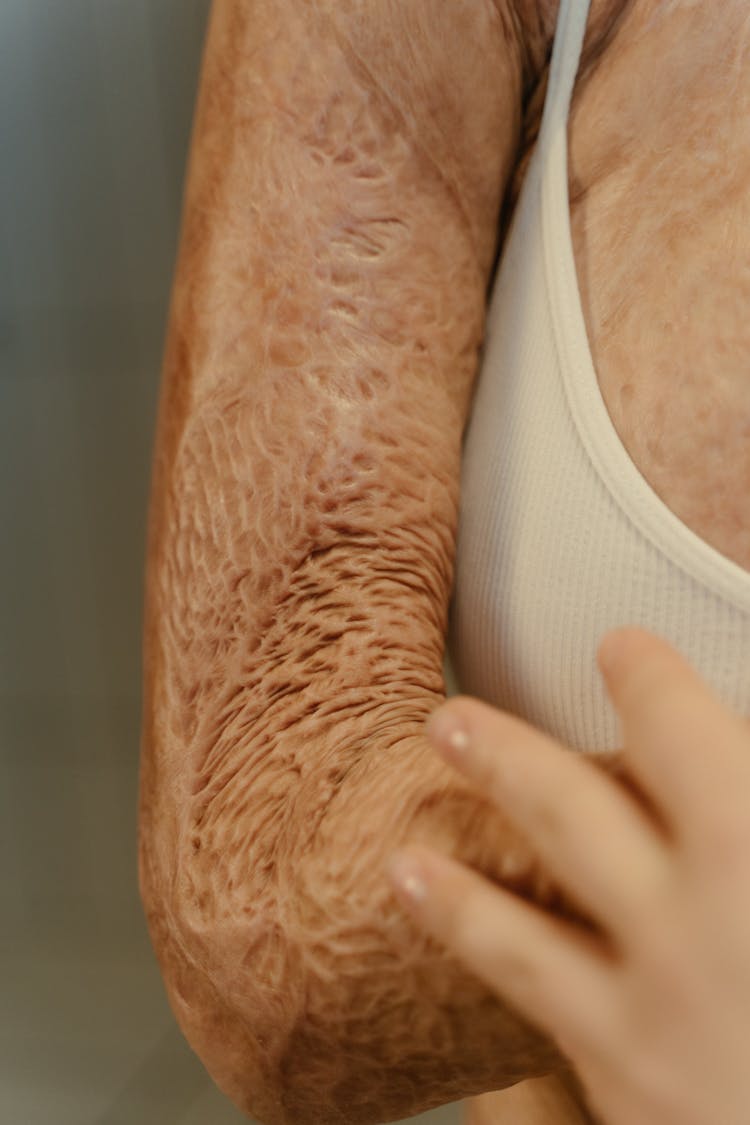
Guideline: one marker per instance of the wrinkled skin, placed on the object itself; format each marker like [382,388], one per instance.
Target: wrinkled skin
[321,350]
[341,216]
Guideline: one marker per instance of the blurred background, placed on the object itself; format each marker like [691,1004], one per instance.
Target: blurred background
[96,103]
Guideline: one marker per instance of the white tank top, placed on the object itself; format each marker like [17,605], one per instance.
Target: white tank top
[560,537]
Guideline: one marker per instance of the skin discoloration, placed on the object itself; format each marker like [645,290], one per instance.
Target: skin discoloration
[346,173]
[659,167]
[659,176]
[342,212]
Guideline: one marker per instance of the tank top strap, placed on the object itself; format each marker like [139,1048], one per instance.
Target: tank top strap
[566,53]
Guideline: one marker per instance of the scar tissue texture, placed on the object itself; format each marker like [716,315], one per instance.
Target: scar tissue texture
[326,316]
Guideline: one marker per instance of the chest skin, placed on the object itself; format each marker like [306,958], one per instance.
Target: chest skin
[659,169]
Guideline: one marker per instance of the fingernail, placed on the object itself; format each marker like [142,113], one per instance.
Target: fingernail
[407,876]
[448,733]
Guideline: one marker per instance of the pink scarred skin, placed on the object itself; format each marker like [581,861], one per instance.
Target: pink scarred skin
[339,227]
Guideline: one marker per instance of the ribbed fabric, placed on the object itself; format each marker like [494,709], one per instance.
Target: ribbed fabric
[560,537]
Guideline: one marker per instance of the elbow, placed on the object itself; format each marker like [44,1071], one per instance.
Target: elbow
[292,1035]
[213,976]
[231,1023]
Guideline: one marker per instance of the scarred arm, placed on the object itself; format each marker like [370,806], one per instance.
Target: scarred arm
[347,167]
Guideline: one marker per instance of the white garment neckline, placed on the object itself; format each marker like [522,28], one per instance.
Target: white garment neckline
[635,496]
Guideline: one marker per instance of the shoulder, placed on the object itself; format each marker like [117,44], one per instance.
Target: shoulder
[537,19]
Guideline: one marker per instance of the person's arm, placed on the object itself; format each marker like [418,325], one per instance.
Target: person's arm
[347,167]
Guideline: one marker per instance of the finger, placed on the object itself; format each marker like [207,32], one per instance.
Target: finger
[558,975]
[687,750]
[586,829]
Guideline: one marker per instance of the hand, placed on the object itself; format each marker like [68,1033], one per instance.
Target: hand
[649,997]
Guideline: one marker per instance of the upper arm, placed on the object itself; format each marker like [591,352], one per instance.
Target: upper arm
[346,171]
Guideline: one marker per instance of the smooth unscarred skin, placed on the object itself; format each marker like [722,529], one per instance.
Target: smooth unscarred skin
[338,230]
